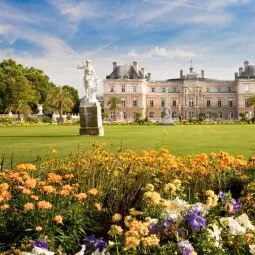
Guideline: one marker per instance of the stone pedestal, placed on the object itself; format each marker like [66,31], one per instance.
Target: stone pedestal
[91,119]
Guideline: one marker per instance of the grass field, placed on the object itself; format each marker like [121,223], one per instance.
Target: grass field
[22,144]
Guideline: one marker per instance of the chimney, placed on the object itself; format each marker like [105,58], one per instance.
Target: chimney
[149,76]
[240,71]
[246,63]
[135,65]
[181,73]
[142,70]
[203,73]
[114,65]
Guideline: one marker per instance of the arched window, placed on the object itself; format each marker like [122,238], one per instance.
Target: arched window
[231,115]
[220,114]
[151,115]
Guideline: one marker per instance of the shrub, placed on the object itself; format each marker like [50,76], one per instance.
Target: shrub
[47,119]
[31,119]
[6,120]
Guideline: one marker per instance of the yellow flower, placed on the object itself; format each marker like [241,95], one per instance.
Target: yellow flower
[152,197]
[38,228]
[98,206]
[149,187]
[58,219]
[5,196]
[209,193]
[177,183]
[4,187]
[134,212]
[93,191]
[169,188]
[25,167]
[44,205]
[116,217]
[28,206]
[151,240]
[131,243]
[115,231]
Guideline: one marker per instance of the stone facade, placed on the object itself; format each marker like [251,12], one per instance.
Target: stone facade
[189,96]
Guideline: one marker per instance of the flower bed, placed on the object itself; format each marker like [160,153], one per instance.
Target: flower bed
[128,203]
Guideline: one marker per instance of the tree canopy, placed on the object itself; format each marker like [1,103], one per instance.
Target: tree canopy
[24,87]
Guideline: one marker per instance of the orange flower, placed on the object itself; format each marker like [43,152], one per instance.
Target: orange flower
[48,189]
[4,186]
[54,178]
[26,191]
[4,207]
[28,206]
[93,191]
[98,206]
[116,217]
[58,219]
[68,176]
[80,196]
[38,228]
[44,205]
[5,196]
[30,183]
[34,197]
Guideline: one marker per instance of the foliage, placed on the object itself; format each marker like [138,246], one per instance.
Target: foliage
[114,104]
[31,119]
[47,119]
[60,99]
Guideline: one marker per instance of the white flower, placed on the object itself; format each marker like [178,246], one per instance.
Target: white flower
[234,227]
[81,252]
[175,206]
[252,249]
[215,233]
[177,217]
[40,251]
[245,222]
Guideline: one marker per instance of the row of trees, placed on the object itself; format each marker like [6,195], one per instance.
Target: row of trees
[22,88]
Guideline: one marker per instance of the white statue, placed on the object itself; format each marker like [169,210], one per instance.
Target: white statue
[90,81]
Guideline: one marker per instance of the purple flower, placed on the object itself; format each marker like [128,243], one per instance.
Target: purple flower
[195,220]
[168,222]
[236,207]
[153,229]
[185,247]
[41,244]
[221,195]
[99,245]
[89,239]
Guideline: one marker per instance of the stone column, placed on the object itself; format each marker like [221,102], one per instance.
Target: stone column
[91,119]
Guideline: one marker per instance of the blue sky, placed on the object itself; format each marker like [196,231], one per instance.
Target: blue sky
[162,35]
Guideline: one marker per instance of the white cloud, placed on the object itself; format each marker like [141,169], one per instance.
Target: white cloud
[4,29]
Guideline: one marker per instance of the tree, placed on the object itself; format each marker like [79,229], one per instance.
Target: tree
[19,107]
[251,102]
[138,116]
[114,104]
[74,93]
[60,99]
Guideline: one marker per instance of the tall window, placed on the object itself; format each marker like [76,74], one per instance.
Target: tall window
[162,103]
[207,89]
[246,101]
[123,88]
[134,88]
[191,102]
[231,115]
[112,89]
[124,115]
[164,89]
[123,102]
[230,103]
[162,115]
[174,115]
[220,114]
[174,103]
[246,88]
[219,89]
[219,102]
[208,102]
[112,115]
[229,89]
[151,103]
[134,103]
[191,115]
[175,89]
[151,114]
[153,89]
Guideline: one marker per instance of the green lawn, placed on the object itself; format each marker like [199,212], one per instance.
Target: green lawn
[19,144]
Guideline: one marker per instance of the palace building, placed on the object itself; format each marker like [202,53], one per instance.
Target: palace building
[189,96]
